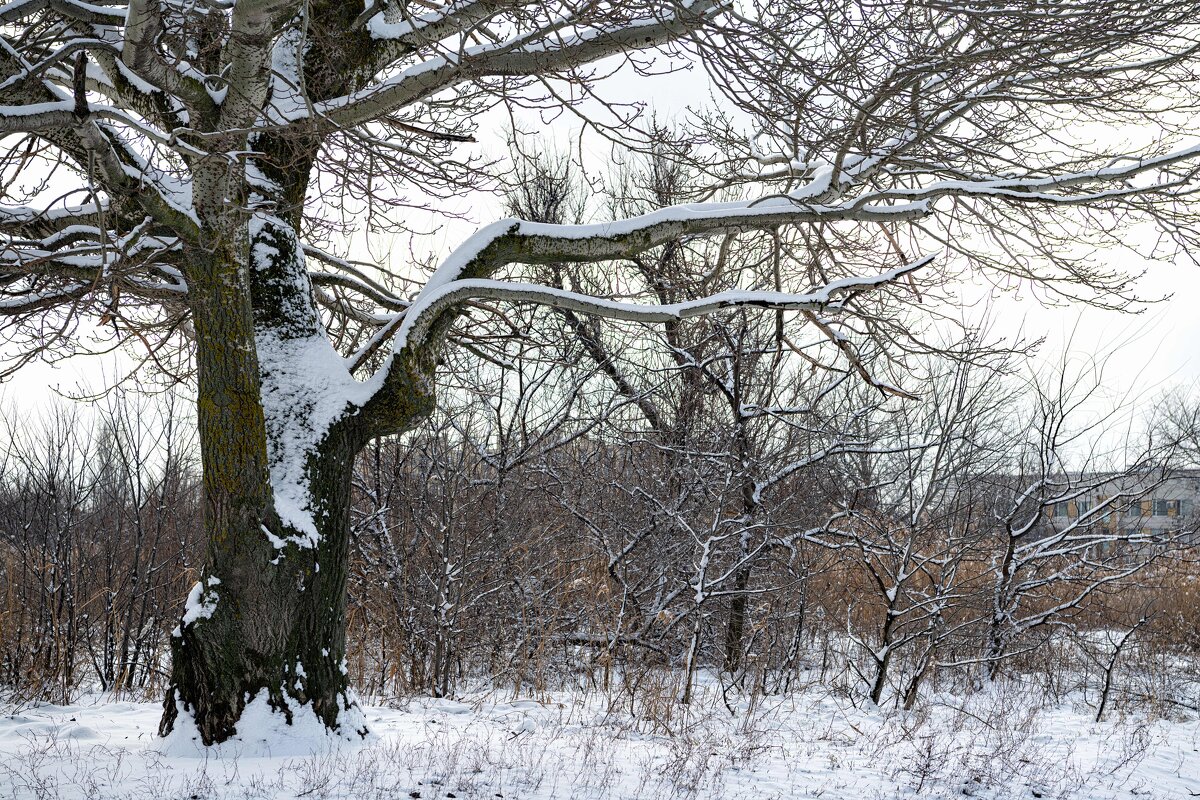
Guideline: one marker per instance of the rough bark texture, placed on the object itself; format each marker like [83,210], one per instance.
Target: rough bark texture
[278,625]
[279,622]
[209,657]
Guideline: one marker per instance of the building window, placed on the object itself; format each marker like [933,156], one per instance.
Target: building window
[1166,508]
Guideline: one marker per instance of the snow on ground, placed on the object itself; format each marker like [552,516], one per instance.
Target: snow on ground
[808,745]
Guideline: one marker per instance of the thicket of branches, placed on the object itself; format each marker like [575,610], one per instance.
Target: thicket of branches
[629,504]
[519,543]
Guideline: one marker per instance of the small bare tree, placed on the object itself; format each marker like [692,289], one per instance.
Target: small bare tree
[1068,516]
[909,526]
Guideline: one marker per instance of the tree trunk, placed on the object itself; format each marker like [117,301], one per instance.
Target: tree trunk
[918,676]
[1003,603]
[278,617]
[996,648]
[280,422]
[267,616]
[883,656]
[735,630]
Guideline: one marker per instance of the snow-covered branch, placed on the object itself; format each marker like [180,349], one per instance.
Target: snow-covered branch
[540,52]
[139,53]
[417,319]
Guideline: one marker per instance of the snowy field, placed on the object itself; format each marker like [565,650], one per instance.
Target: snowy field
[812,744]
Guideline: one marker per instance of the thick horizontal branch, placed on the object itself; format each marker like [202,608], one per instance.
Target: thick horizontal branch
[513,241]
[41,223]
[45,117]
[432,26]
[393,39]
[1049,188]
[28,302]
[429,306]
[91,13]
[516,241]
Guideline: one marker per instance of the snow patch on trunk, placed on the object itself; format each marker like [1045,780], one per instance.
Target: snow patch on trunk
[306,386]
[201,604]
[287,102]
[305,390]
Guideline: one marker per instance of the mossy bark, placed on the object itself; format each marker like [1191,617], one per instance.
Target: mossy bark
[277,616]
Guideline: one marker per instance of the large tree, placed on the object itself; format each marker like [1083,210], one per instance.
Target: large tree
[180,169]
